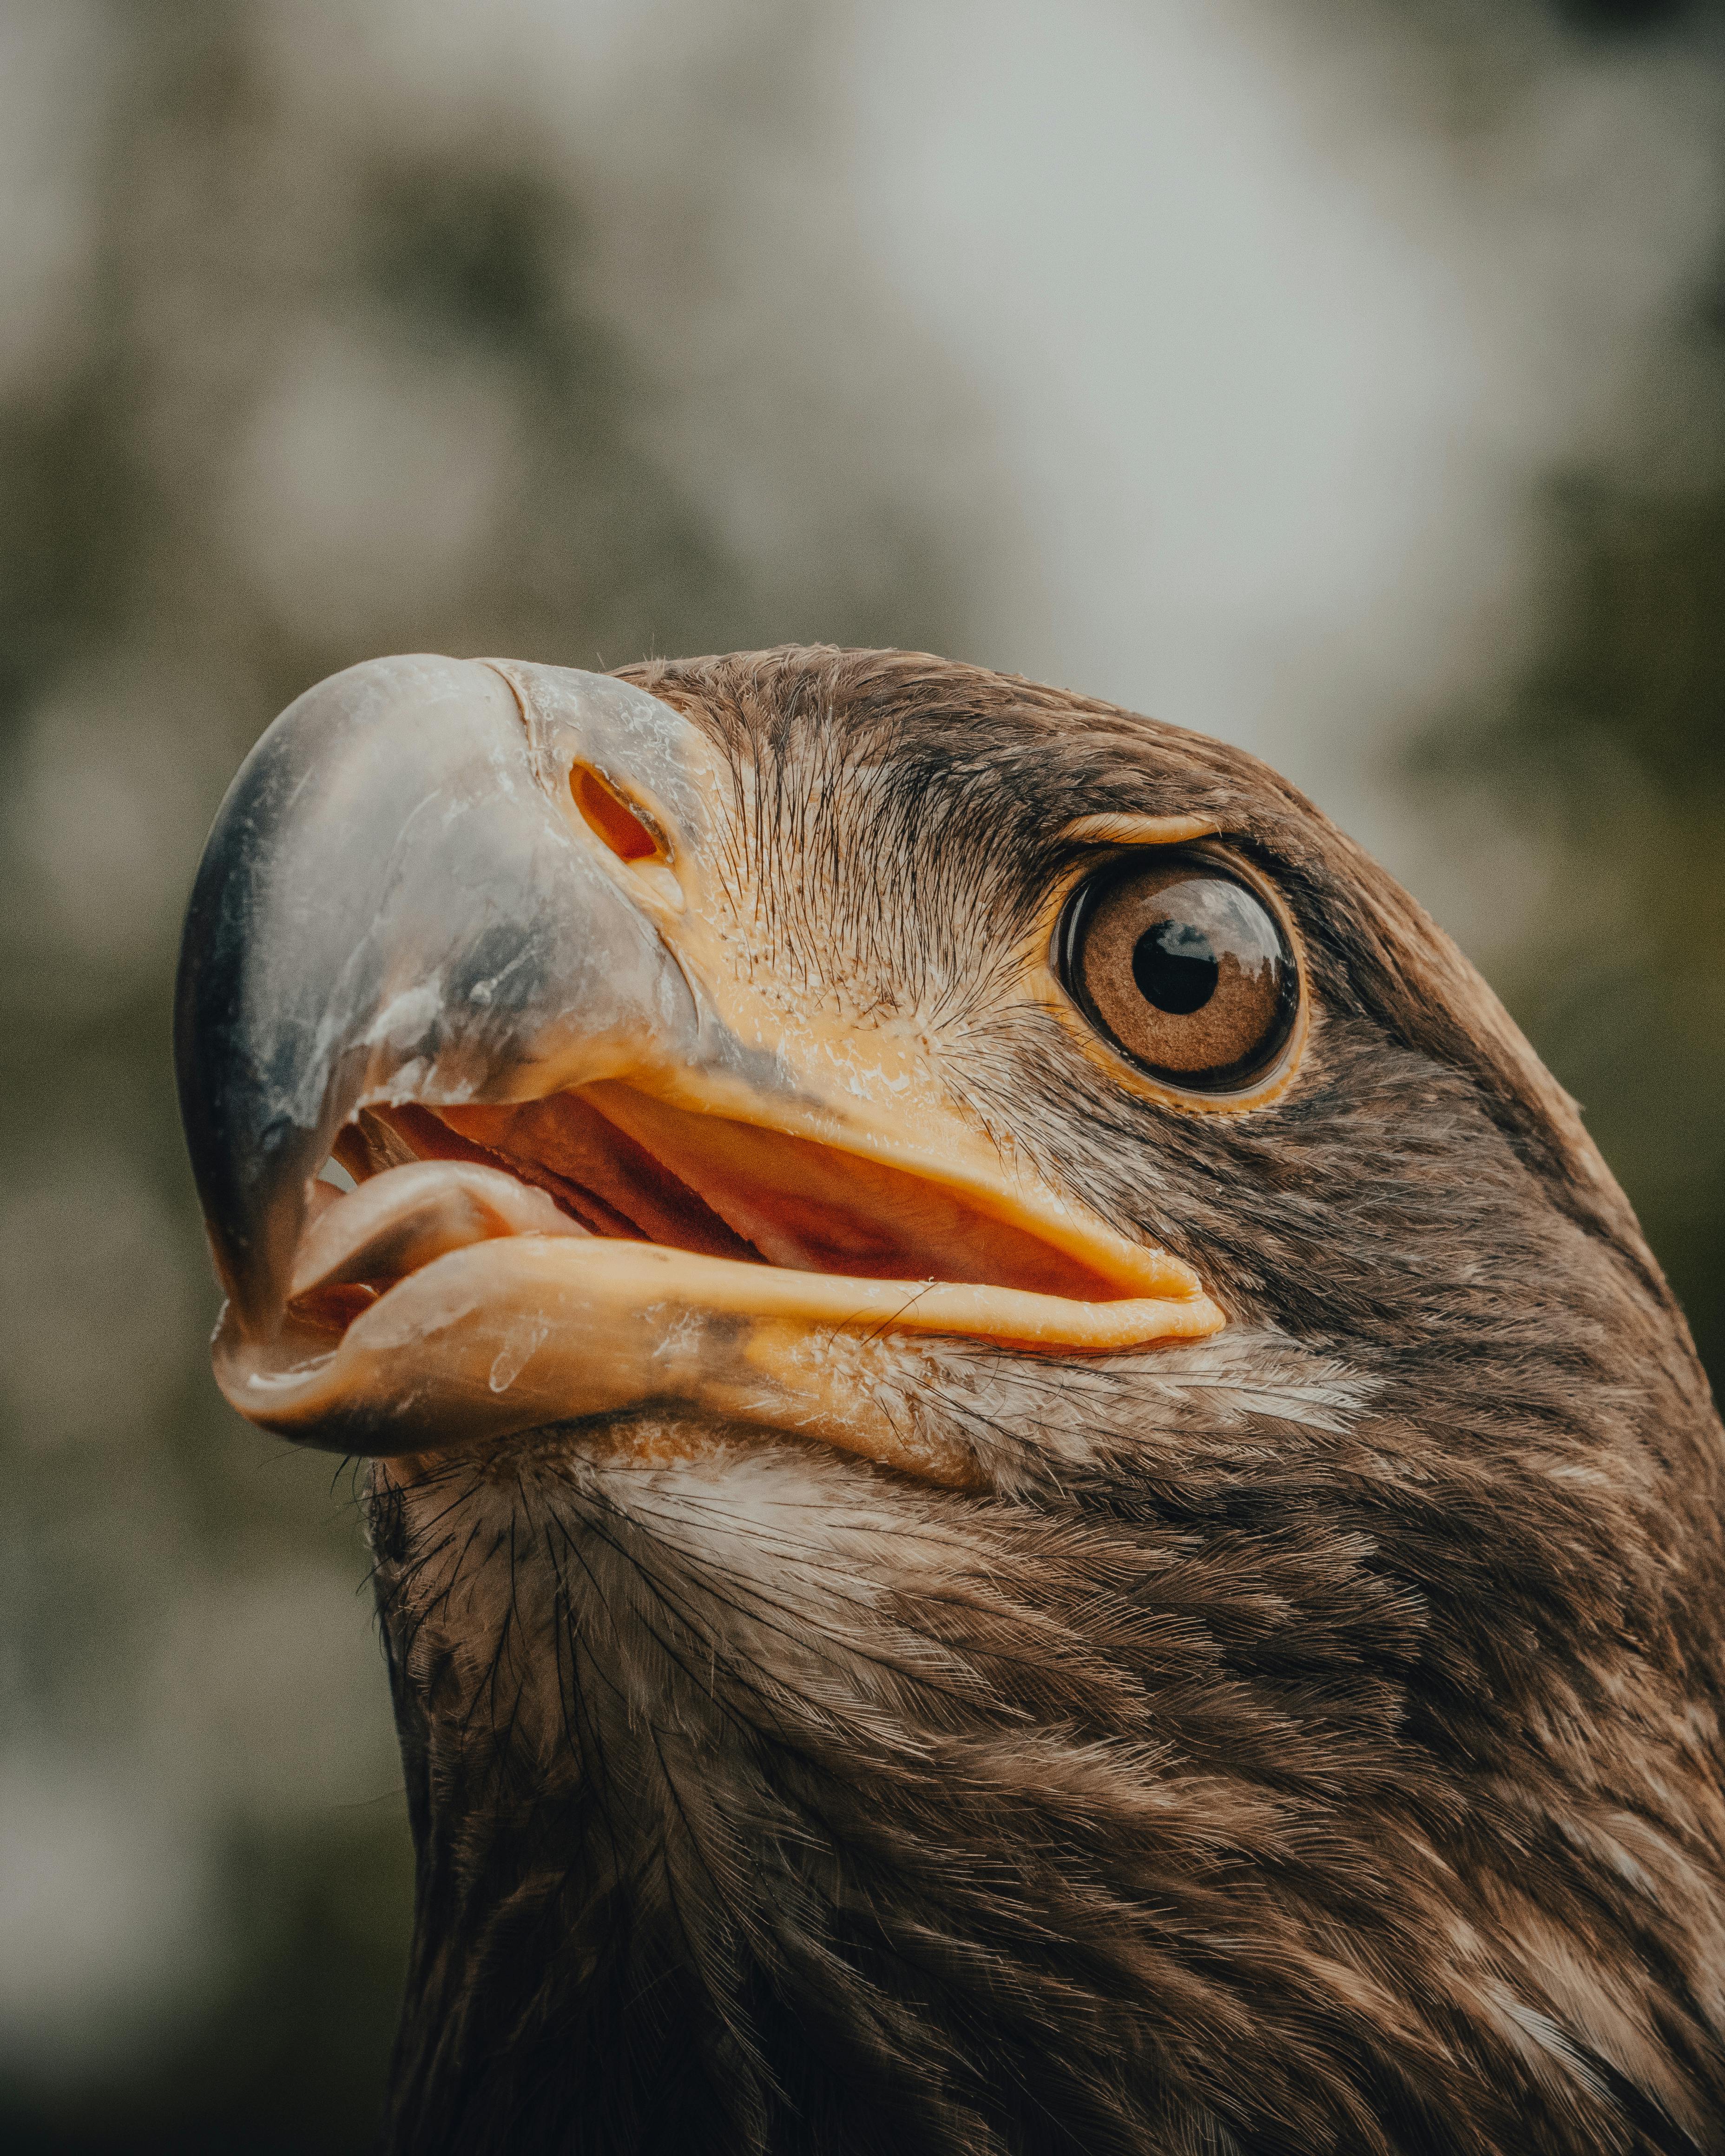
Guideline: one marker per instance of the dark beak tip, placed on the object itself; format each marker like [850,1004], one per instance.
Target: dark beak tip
[327,903]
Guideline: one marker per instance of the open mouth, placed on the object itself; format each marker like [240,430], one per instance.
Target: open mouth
[567,1257]
[704,1219]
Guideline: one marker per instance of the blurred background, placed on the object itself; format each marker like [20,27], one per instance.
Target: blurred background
[1344,377]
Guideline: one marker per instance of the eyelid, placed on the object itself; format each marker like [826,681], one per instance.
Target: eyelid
[1120,828]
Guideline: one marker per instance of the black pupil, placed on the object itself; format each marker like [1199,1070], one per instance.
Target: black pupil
[1176,968]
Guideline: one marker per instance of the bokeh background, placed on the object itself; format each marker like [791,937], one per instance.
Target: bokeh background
[1341,377]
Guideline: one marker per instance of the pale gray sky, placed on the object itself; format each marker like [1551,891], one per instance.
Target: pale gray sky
[1267,352]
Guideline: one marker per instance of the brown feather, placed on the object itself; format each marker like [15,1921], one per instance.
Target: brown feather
[1304,1741]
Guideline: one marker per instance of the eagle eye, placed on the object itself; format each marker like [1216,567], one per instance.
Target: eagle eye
[1183,966]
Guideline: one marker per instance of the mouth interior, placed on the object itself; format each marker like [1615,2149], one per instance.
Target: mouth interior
[619,1163]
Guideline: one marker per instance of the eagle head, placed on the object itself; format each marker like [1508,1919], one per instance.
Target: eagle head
[1030,1491]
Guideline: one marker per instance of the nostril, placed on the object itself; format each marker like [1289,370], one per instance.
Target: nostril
[609,817]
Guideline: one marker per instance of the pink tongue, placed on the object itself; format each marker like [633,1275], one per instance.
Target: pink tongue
[400,1220]
[814,1209]
[638,1166]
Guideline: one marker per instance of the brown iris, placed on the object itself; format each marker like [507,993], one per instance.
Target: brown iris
[1184,967]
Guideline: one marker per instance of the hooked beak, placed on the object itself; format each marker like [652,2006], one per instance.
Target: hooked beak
[456,926]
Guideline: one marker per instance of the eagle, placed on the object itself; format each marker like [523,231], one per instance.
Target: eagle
[1031,1493]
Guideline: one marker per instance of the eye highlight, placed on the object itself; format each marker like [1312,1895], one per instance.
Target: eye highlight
[1181,964]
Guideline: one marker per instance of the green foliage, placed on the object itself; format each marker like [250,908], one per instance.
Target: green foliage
[1607,752]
